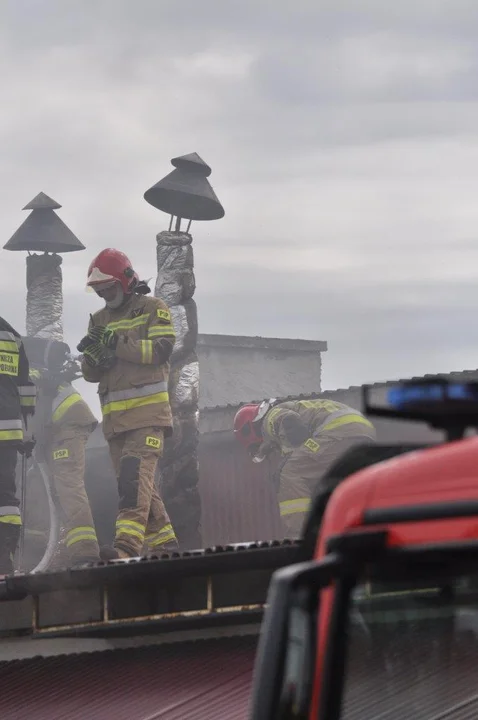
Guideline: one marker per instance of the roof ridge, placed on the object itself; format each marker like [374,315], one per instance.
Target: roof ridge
[321,393]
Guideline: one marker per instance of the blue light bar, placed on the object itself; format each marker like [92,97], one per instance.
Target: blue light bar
[408,395]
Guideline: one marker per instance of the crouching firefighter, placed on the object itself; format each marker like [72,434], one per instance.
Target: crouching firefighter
[17,404]
[310,435]
[63,424]
[127,350]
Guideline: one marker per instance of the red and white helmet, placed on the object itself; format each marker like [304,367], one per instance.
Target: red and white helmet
[247,424]
[112,266]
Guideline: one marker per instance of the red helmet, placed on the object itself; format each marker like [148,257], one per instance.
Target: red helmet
[245,429]
[109,266]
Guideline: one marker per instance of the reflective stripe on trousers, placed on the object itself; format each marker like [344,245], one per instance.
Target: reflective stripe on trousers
[120,400]
[160,538]
[79,534]
[290,507]
[130,527]
[10,515]
[67,397]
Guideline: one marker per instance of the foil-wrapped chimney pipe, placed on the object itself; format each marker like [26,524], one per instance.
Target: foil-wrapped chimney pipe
[184,194]
[43,231]
[43,235]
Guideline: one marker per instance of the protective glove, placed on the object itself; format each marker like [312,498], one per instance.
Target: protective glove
[96,333]
[97,356]
[85,342]
[104,335]
[28,443]
[71,371]
[26,447]
[48,382]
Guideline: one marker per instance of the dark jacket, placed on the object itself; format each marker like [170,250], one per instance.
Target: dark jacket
[17,392]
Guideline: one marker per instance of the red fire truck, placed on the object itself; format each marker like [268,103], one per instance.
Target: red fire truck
[382,622]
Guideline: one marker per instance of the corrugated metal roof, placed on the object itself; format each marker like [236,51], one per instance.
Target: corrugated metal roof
[238,497]
[187,681]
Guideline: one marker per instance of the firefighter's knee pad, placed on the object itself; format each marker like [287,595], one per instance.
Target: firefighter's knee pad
[128,481]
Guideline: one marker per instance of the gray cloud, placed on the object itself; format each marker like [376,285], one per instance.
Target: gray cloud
[344,145]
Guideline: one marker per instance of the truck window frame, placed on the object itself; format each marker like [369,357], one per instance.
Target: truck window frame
[285,592]
[438,561]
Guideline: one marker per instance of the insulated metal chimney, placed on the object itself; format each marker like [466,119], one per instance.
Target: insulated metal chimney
[185,194]
[44,232]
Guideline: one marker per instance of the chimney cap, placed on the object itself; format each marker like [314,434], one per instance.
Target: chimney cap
[186,191]
[43,230]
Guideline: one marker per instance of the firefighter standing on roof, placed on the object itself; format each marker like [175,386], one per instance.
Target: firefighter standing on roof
[310,435]
[17,403]
[127,351]
[63,424]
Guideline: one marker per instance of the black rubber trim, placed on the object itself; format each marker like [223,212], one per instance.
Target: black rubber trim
[415,513]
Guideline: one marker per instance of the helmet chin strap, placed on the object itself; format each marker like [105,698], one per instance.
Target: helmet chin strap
[117,300]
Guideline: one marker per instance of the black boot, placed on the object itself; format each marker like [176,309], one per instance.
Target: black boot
[9,537]
[6,563]
[108,553]
[84,560]
[111,553]
[168,548]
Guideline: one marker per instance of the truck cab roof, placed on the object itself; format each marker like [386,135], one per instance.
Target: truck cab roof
[400,493]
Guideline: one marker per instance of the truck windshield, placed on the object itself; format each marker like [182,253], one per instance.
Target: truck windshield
[412,652]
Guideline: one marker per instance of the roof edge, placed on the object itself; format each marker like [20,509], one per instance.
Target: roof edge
[453,374]
[261,343]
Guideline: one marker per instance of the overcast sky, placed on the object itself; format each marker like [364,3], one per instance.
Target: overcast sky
[343,138]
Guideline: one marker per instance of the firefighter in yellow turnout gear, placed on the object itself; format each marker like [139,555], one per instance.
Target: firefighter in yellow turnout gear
[64,423]
[127,351]
[310,435]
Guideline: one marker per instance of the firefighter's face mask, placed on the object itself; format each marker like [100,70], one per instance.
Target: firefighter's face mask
[112,293]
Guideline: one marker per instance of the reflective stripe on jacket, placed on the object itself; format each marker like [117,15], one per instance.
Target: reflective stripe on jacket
[134,392]
[317,417]
[11,430]
[10,515]
[123,400]
[69,408]
[66,409]
[17,392]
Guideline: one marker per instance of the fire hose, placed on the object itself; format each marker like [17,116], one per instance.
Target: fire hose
[69,374]
[53,512]
[54,533]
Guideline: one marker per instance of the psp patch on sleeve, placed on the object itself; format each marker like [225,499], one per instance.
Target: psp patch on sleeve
[60,454]
[312,445]
[153,442]
[163,315]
